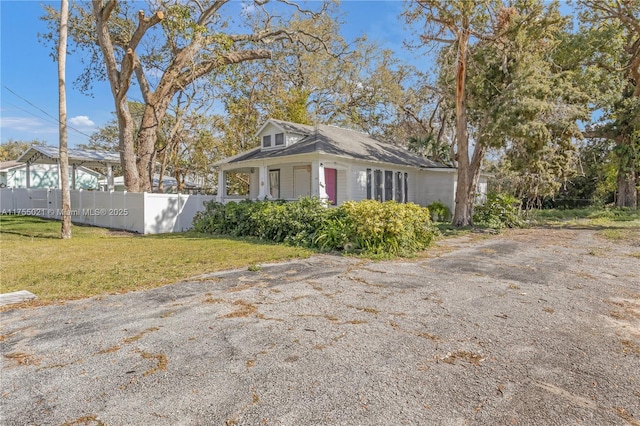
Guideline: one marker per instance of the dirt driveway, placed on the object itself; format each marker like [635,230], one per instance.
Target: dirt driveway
[530,327]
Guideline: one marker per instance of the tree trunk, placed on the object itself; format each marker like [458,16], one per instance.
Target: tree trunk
[474,172]
[126,146]
[63,168]
[627,192]
[153,115]
[119,81]
[461,215]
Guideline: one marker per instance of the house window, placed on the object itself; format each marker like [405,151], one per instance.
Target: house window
[266,141]
[399,186]
[369,183]
[378,185]
[274,183]
[388,185]
[406,187]
[279,139]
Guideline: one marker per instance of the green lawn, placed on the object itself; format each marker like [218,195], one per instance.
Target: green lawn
[98,261]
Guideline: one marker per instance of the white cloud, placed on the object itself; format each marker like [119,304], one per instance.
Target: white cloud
[25,124]
[81,121]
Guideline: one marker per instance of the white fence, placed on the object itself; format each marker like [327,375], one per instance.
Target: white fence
[139,212]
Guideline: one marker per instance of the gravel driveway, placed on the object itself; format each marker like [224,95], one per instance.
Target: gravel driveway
[533,326]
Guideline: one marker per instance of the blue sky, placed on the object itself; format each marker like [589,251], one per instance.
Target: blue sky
[28,74]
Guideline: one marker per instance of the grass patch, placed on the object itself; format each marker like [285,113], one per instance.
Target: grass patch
[98,261]
[448,230]
[614,224]
[590,215]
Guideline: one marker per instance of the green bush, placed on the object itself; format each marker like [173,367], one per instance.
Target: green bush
[368,227]
[439,212]
[228,219]
[294,223]
[498,211]
[377,229]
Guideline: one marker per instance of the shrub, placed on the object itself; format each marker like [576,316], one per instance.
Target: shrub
[498,211]
[368,227]
[335,231]
[439,212]
[377,229]
[228,219]
[293,223]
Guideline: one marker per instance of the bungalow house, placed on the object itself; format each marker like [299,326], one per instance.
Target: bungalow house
[336,164]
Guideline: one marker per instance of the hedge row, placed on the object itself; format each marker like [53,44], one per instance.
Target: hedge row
[368,227]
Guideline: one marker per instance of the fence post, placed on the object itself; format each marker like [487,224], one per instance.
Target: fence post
[79,216]
[110,209]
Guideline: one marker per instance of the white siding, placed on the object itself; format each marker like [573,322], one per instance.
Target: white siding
[286,179]
[341,194]
[301,181]
[254,184]
[436,186]
[270,129]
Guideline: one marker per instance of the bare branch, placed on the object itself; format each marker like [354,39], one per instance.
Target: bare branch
[210,11]
[142,81]
[305,11]
[143,25]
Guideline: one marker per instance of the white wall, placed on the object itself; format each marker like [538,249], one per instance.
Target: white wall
[286,179]
[341,194]
[138,212]
[482,190]
[270,129]
[436,186]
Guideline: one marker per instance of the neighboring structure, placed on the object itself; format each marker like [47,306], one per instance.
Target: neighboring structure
[169,184]
[81,162]
[337,165]
[13,174]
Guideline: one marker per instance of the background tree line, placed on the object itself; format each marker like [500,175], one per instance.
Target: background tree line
[549,103]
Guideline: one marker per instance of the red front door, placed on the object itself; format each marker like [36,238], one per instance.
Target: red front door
[330,183]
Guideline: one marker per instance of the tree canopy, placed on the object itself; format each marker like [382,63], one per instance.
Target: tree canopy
[515,80]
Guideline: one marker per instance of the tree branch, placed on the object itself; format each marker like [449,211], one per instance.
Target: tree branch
[210,11]
[143,25]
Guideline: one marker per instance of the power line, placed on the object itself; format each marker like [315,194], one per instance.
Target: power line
[43,111]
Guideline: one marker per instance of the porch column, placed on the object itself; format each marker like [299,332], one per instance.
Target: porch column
[263,183]
[73,176]
[222,186]
[318,187]
[110,184]
[28,175]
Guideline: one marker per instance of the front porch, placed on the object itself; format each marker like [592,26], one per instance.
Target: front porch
[286,181]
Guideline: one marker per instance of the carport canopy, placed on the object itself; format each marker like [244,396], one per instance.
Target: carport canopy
[44,154]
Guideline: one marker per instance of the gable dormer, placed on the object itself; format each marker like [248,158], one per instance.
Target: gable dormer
[276,135]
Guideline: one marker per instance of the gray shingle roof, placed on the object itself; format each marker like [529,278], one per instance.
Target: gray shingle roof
[338,141]
[46,154]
